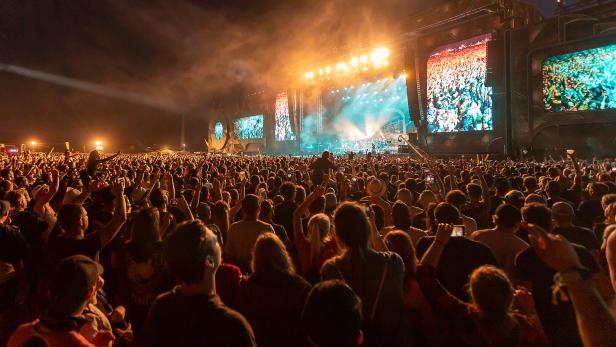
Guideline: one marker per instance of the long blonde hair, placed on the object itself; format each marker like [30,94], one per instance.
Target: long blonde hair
[319,226]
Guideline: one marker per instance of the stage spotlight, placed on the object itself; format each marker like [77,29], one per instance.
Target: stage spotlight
[379,56]
[328,70]
[309,75]
[404,75]
[321,72]
[98,145]
[354,61]
[364,59]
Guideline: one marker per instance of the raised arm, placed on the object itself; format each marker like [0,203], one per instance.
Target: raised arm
[194,203]
[170,185]
[85,194]
[386,206]
[433,254]
[577,180]
[485,190]
[451,178]
[595,323]
[376,239]
[111,157]
[109,231]
[238,205]
[298,228]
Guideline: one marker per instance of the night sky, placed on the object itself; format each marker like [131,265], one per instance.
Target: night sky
[186,53]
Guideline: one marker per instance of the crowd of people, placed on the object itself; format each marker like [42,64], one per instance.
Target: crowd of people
[248,128]
[218,250]
[458,98]
[580,81]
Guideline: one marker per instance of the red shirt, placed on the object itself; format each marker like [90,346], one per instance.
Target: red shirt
[52,339]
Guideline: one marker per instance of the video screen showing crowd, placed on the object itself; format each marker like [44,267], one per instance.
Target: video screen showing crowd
[580,81]
[458,98]
[247,128]
[283,130]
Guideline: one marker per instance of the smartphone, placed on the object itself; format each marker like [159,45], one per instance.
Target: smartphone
[458,231]
[571,151]
[430,179]
[290,175]
[354,179]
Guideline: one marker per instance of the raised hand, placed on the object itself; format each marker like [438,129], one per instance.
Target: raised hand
[117,188]
[319,191]
[443,232]
[554,250]
[95,186]
[524,300]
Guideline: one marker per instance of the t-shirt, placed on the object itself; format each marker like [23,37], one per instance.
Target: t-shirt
[389,326]
[558,319]
[12,245]
[283,215]
[30,226]
[280,231]
[588,213]
[505,247]
[273,302]
[61,247]
[581,236]
[195,320]
[52,339]
[241,239]
[460,257]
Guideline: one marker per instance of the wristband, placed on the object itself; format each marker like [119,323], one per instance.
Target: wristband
[566,278]
[571,276]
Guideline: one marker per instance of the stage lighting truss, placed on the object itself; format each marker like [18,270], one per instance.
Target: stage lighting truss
[382,95]
[378,58]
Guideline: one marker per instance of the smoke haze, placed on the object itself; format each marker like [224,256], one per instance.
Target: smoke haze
[200,55]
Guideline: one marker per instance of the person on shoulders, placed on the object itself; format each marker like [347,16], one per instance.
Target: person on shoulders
[321,166]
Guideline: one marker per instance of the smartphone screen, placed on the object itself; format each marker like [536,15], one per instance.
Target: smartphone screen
[430,179]
[458,231]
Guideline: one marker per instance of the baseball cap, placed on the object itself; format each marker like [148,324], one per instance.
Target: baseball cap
[73,278]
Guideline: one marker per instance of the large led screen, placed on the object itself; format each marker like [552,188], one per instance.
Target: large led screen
[580,81]
[283,130]
[246,128]
[458,98]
